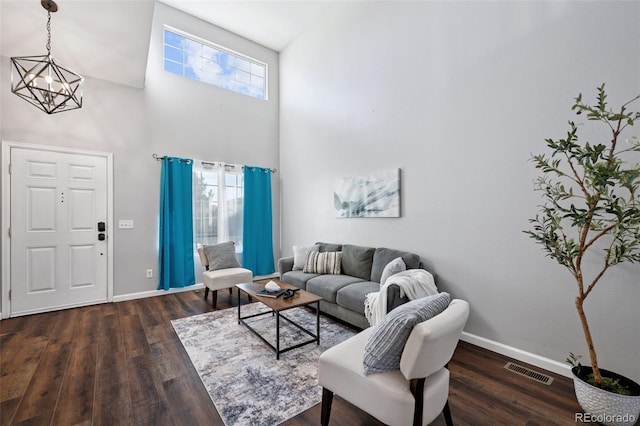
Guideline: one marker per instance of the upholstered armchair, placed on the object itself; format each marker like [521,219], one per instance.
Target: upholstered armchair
[222,270]
[417,392]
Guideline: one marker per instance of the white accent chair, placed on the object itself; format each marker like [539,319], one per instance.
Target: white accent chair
[222,278]
[415,394]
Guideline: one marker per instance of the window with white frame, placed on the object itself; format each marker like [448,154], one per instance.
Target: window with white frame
[218,197]
[192,57]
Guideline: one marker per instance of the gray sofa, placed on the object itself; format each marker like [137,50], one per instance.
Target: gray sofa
[343,295]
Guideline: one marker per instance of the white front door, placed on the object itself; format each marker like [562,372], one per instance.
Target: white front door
[58,258]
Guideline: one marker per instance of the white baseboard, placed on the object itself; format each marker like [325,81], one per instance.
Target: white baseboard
[264,277]
[152,293]
[515,353]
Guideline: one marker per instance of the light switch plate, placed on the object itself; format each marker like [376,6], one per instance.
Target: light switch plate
[125,224]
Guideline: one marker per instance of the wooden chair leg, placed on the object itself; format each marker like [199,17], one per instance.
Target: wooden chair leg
[214,297]
[447,414]
[327,399]
[206,293]
[417,389]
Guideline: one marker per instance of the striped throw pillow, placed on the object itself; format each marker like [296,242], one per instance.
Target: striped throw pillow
[383,350]
[328,262]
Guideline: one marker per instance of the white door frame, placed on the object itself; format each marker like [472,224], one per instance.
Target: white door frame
[6,210]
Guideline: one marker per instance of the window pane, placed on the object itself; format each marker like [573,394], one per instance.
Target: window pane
[210,53]
[210,67]
[258,93]
[173,54]
[242,64]
[243,77]
[257,82]
[173,67]
[205,193]
[193,61]
[192,47]
[257,70]
[225,59]
[192,73]
[173,39]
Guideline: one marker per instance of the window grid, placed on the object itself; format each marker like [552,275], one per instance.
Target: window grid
[207,211]
[213,64]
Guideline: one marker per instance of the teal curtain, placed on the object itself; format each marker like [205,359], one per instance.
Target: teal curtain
[176,223]
[257,235]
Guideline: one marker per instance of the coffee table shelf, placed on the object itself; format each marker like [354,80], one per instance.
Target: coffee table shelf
[277,305]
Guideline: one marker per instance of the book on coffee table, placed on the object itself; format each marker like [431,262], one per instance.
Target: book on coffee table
[268,293]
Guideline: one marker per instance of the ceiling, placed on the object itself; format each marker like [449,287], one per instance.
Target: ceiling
[270,23]
[109,39]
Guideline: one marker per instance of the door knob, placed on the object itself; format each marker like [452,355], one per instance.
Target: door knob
[101,237]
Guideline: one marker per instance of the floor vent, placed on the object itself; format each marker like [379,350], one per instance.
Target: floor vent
[524,371]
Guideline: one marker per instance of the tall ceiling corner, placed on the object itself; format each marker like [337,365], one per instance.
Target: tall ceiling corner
[103,39]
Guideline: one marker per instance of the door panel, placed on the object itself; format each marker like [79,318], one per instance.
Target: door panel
[57,199]
[41,204]
[82,262]
[41,268]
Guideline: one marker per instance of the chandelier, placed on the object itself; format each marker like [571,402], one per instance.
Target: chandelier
[45,82]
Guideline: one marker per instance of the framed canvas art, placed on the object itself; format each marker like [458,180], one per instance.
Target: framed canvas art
[374,195]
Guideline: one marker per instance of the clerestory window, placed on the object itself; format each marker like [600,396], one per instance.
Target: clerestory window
[192,57]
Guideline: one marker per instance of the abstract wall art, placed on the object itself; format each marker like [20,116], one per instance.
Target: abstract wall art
[374,195]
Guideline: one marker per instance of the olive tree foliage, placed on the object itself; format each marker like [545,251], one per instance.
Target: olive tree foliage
[591,201]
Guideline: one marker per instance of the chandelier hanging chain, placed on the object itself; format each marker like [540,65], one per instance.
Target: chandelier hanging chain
[49,33]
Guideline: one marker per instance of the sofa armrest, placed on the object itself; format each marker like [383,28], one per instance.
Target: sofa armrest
[285,264]
[393,298]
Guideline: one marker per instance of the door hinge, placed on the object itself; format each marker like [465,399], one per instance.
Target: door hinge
[9,294]
[9,230]
[9,168]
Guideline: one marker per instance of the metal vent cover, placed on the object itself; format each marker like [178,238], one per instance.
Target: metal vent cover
[524,371]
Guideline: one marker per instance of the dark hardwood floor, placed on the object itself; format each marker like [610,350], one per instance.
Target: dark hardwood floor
[122,364]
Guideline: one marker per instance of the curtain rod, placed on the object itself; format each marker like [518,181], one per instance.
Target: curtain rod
[160,158]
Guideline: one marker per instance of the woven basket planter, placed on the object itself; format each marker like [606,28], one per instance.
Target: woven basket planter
[606,407]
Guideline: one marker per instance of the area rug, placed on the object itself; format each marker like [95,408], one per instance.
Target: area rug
[246,383]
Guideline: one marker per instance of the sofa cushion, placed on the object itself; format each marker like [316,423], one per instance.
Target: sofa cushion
[221,256]
[357,261]
[327,286]
[392,268]
[297,278]
[300,254]
[322,247]
[328,262]
[352,296]
[383,256]
[386,342]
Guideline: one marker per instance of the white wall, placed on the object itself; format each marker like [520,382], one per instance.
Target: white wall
[458,95]
[171,116]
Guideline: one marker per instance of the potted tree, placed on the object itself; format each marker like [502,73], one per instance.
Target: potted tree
[591,215]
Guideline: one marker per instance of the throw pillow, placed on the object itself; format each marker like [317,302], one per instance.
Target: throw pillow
[357,260]
[327,262]
[328,247]
[386,343]
[383,256]
[392,268]
[300,254]
[221,256]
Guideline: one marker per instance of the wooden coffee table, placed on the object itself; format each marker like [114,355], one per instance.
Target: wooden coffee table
[277,305]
